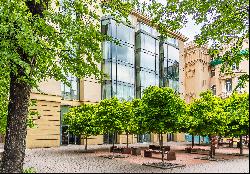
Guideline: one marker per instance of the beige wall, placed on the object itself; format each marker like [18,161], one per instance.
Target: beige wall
[181,69]
[47,132]
[50,86]
[198,72]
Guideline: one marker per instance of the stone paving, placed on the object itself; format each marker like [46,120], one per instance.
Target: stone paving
[72,159]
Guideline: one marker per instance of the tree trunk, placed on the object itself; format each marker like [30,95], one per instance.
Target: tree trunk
[211,147]
[159,137]
[113,144]
[15,139]
[127,139]
[241,145]
[232,142]
[192,141]
[162,149]
[86,144]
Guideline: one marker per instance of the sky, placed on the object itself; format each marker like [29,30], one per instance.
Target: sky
[190,30]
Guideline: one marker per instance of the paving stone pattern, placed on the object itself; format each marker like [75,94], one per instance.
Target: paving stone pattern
[72,159]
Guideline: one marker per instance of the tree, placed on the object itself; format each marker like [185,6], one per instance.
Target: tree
[140,126]
[82,121]
[222,22]
[127,118]
[109,115]
[207,117]
[237,109]
[39,40]
[163,110]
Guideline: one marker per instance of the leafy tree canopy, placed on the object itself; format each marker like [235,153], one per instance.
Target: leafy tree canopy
[163,109]
[109,115]
[223,22]
[237,109]
[207,115]
[82,120]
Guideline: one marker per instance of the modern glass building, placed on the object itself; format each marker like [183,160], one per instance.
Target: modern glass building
[119,60]
[141,59]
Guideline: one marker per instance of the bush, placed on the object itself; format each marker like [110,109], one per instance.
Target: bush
[29,170]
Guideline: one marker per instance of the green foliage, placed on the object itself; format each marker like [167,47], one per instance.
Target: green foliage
[29,170]
[127,116]
[237,109]
[207,116]
[32,114]
[223,22]
[109,115]
[82,120]
[140,126]
[163,109]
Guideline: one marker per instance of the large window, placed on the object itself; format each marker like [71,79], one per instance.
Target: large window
[213,88]
[228,85]
[147,59]
[169,65]
[70,92]
[125,74]
[119,61]
[173,53]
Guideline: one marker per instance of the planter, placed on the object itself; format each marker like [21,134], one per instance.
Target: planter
[153,147]
[171,155]
[111,148]
[147,153]
[126,150]
[166,148]
[136,151]
[117,150]
[188,150]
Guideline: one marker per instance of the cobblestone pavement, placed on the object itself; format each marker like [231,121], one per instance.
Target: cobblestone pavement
[72,159]
[1,147]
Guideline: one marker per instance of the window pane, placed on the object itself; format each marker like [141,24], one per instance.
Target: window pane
[173,53]
[147,79]
[106,91]
[107,70]
[125,33]
[106,50]
[125,74]
[147,61]
[172,41]
[125,54]
[229,85]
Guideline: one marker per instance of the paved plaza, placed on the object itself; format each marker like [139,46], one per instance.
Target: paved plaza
[72,159]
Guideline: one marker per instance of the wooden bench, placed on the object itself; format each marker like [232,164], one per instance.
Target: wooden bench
[149,152]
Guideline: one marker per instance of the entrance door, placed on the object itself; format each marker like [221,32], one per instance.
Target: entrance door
[65,136]
[73,139]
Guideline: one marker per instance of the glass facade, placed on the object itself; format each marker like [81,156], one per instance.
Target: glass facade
[147,58]
[119,61]
[70,92]
[141,59]
[169,63]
